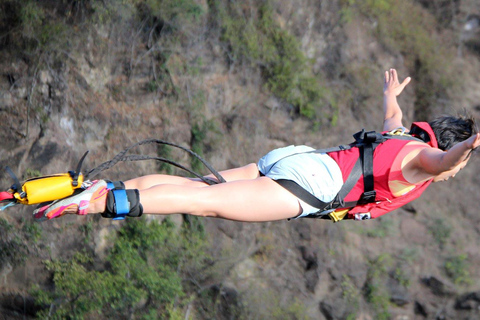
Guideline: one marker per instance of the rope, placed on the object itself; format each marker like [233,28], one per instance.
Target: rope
[124,157]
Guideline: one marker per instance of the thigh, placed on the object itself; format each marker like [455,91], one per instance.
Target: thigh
[256,200]
[247,172]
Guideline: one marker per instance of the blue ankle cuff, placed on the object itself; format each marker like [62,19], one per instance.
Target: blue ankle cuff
[122,203]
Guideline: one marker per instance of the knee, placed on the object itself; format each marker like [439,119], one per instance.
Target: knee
[252,170]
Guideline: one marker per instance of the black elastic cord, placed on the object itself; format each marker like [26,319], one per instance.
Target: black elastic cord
[124,157]
[76,174]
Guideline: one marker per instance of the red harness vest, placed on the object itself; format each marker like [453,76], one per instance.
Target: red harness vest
[383,158]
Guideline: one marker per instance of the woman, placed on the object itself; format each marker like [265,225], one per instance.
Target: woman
[252,193]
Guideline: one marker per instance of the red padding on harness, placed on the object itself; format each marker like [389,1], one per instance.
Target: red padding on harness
[6,196]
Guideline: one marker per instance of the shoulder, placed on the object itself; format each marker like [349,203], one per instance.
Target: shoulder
[410,152]
[418,159]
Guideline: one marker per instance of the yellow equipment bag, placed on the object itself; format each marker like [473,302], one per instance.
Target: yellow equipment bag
[48,188]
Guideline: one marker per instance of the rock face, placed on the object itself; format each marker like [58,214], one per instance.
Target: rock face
[107,95]
[468,301]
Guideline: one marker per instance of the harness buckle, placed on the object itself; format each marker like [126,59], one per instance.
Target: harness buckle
[368,197]
[368,137]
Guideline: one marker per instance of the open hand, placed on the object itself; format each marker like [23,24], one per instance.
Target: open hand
[392,85]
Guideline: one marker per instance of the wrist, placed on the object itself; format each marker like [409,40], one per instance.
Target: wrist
[389,94]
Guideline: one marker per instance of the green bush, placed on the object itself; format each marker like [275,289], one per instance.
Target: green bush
[174,12]
[17,244]
[440,231]
[376,292]
[402,275]
[351,295]
[34,29]
[142,277]
[404,264]
[456,268]
[261,302]
[384,227]
[31,232]
[166,26]
[165,151]
[199,142]
[31,173]
[257,40]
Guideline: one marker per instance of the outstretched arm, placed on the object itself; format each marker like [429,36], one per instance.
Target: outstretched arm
[435,161]
[391,110]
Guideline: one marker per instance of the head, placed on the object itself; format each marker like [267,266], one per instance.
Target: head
[450,130]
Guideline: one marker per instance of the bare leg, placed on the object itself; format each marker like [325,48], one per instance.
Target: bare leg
[244,197]
[249,171]
[256,200]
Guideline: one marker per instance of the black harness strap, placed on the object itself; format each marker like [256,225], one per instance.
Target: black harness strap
[352,179]
[370,141]
[303,194]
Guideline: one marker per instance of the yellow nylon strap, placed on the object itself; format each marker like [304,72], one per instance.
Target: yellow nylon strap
[338,215]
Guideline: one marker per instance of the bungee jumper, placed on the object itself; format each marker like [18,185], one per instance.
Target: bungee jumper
[373,175]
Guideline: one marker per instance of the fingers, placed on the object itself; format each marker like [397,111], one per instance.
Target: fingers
[391,76]
[406,81]
[476,142]
[394,75]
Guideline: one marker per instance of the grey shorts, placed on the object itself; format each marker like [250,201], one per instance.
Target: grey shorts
[317,173]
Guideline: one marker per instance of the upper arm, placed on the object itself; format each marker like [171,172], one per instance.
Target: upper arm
[429,161]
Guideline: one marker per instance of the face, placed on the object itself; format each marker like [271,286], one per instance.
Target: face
[444,176]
